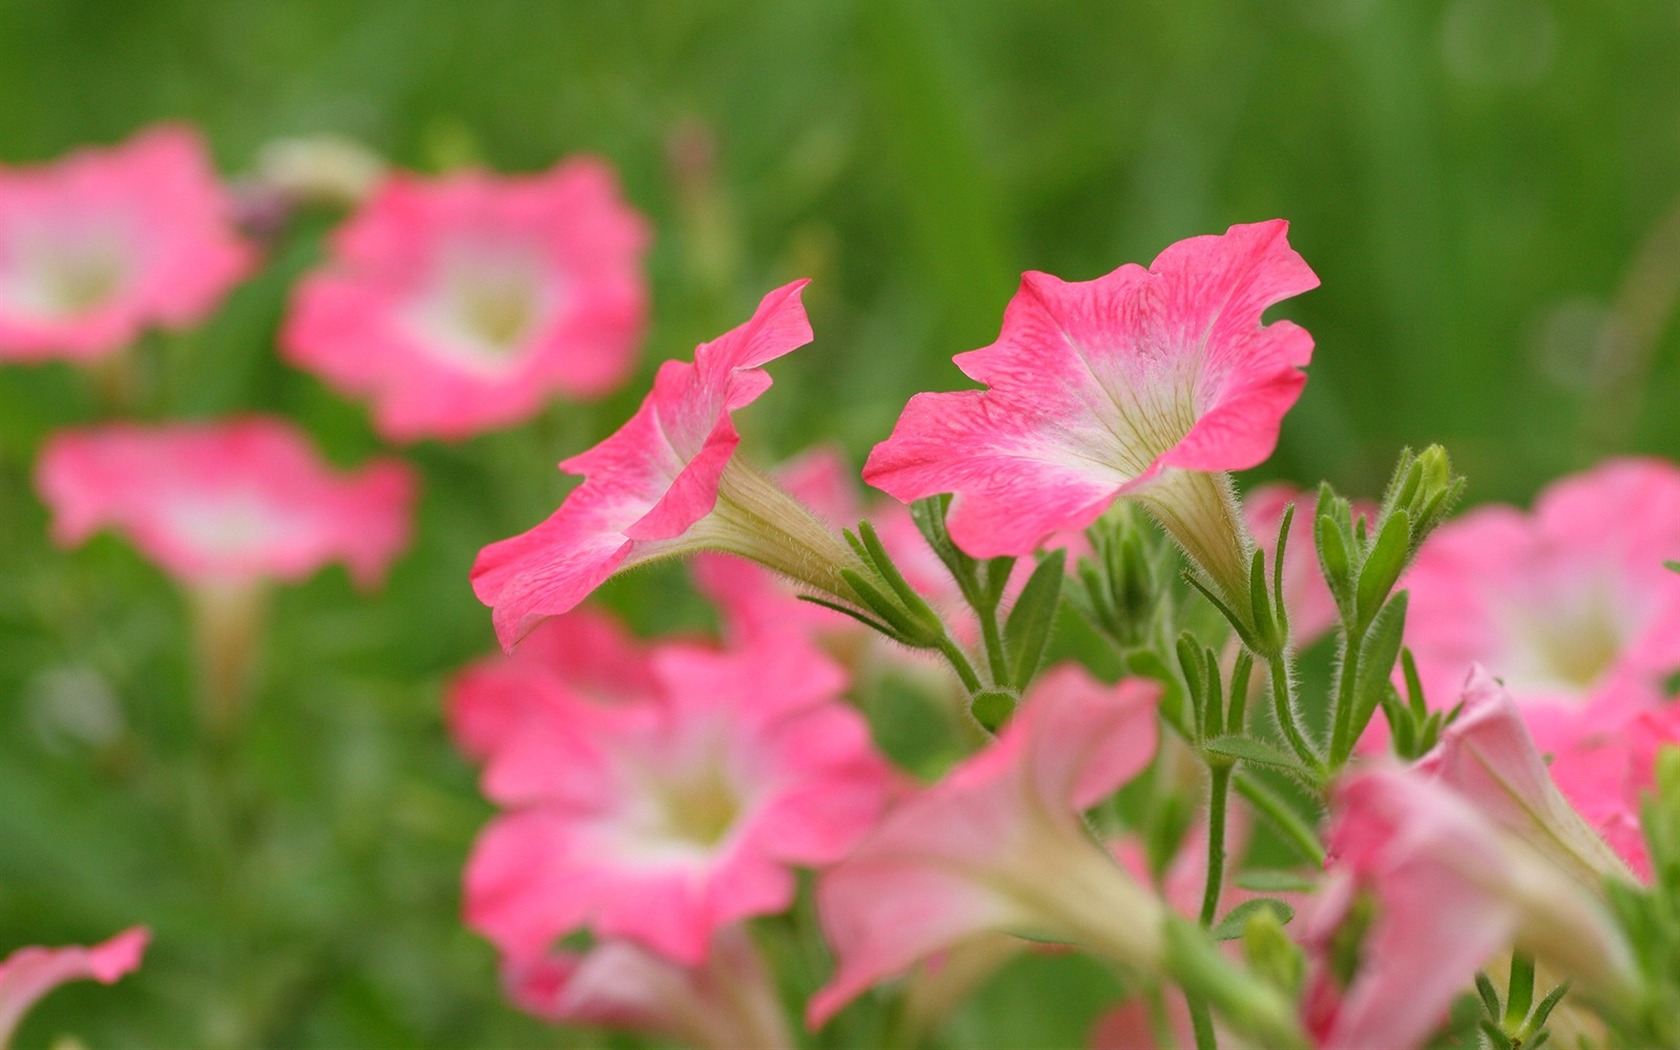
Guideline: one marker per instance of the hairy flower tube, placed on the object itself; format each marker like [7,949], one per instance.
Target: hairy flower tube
[108,242]
[1569,606]
[1147,383]
[724,1002]
[30,973]
[998,846]
[668,483]
[462,304]
[661,821]
[1450,891]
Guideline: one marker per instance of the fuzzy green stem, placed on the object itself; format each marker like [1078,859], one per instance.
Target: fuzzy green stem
[1219,796]
[1346,681]
[1283,704]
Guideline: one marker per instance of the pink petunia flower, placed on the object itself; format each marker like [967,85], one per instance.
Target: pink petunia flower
[226,503]
[663,820]
[107,242]
[1144,383]
[1488,757]
[725,1002]
[1451,891]
[1569,606]
[668,483]
[584,655]
[30,973]
[462,304]
[998,845]
[1608,779]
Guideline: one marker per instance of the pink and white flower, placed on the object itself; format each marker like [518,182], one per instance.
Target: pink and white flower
[228,503]
[662,821]
[584,655]
[1569,606]
[1148,383]
[30,973]
[108,242]
[1608,779]
[462,304]
[998,845]
[725,1002]
[1451,891]
[668,483]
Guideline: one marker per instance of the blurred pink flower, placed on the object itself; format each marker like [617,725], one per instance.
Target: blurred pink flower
[1569,606]
[724,1002]
[30,973]
[1451,891]
[1608,779]
[462,304]
[226,503]
[999,845]
[662,820]
[668,483]
[106,242]
[582,655]
[1487,756]
[1139,383]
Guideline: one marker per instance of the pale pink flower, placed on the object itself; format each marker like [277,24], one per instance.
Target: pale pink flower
[724,1002]
[1451,892]
[668,483]
[226,503]
[30,973]
[663,820]
[107,242]
[1143,383]
[462,304]
[998,845]
[1488,757]
[1569,606]
[1609,779]
[582,655]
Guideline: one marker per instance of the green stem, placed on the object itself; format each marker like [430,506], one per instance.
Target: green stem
[1283,818]
[1218,797]
[1342,721]
[992,641]
[959,662]
[1201,1022]
[1284,706]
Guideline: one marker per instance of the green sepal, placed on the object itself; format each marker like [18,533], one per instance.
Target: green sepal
[1248,749]
[1231,926]
[1028,627]
[1382,568]
[992,708]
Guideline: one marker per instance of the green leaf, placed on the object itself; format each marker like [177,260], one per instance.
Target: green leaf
[1028,627]
[1280,611]
[1243,630]
[1231,926]
[1489,994]
[1333,558]
[1376,667]
[1248,749]
[1382,566]
[992,708]
[914,605]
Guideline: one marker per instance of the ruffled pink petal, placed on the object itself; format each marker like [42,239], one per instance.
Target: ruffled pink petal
[1095,387]
[30,973]
[647,484]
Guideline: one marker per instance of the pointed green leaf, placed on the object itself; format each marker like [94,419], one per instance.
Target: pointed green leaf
[1231,926]
[1249,749]
[1382,566]
[1028,627]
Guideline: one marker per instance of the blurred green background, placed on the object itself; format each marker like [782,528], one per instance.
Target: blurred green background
[1489,190]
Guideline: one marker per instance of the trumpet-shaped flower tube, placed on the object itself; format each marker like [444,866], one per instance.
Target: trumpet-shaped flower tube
[226,504]
[664,820]
[462,304]
[108,242]
[999,846]
[30,973]
[1451,890]
[1147,383]
[1487,756]
[668,483]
